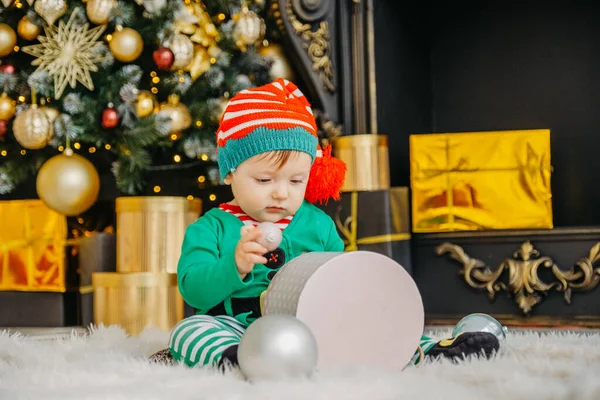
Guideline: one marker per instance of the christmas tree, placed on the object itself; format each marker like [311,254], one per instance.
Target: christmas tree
[135,86]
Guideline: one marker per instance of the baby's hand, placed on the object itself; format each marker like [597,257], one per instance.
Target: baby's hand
[248,252]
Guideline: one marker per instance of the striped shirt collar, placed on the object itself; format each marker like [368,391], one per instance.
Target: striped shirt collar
[248,220]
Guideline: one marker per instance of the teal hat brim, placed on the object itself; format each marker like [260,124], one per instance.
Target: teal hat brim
[264,140]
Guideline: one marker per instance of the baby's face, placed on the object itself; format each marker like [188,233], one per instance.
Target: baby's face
[267,193]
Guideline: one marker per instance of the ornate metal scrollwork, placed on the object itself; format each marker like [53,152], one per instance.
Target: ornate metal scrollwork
[524,282]
[328,130]
[317,43]
[310,10]
[331,129]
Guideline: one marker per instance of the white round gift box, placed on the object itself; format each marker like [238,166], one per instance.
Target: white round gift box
[363,308]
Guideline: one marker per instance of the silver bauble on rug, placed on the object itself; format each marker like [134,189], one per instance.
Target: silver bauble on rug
[277,346]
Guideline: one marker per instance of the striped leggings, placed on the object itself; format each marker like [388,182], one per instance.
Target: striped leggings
[200,340]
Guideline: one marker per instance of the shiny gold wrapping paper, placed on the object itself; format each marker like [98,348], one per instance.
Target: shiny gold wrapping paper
[135,301]
[32,247]
[150,231]
[481,180]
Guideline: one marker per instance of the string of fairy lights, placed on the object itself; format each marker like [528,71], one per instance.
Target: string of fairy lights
[201,179]
[154,80]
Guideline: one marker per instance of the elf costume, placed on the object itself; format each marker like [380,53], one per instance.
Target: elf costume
[269,118]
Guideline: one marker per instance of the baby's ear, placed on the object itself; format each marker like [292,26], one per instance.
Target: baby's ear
[227,179]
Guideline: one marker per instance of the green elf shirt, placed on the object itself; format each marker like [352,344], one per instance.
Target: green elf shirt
[207,275]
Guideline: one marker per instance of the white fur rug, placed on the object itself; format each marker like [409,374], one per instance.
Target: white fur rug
[109,365]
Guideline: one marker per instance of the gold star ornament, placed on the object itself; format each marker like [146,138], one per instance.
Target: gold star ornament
[69,53]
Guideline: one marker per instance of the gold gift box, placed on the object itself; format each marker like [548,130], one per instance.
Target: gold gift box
[135,301]
[367,161]
[150,230]
[481,180]
[32,247]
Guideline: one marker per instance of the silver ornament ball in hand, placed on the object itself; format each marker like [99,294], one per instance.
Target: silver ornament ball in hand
[277,346]
[271,235]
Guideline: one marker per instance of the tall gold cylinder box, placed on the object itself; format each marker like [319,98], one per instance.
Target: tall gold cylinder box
[135,301]
[367,159]
[150,231]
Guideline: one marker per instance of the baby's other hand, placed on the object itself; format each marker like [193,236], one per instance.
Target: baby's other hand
[248,251]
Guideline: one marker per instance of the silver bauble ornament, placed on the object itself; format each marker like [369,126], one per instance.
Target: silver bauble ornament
[183,50]
[479,322]
[275,347]
[249,29]
[271,235]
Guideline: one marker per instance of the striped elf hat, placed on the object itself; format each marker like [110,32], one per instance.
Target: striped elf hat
[274,117]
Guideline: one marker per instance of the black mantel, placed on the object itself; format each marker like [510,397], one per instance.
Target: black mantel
[481,66]
[477,66]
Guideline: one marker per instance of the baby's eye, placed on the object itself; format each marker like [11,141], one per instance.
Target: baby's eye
[297,181]
[262,180]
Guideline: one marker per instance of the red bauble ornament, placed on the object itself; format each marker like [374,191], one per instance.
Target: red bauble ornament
[163,57]
[3,126]
[110,118]
[7,68]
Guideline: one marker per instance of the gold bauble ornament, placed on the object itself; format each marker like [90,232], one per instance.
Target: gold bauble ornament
[179,114]
[249,28]
[32,128]
[279,67]
[27,29]
[183,50]
[8,107]
[8,40]
[126,44]
[51,112]
[145,104]
[98,11]
[50,10]
[68,183]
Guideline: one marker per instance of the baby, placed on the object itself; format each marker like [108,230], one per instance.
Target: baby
[268,152]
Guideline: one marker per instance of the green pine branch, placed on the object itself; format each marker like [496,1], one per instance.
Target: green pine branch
[137,144]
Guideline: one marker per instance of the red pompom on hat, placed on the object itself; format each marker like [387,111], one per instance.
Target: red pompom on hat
[327,176]
[274,117]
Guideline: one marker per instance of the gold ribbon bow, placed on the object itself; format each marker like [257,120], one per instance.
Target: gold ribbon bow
[28,244]
[29,261]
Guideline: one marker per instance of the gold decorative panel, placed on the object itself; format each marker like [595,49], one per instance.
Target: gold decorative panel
[524,282]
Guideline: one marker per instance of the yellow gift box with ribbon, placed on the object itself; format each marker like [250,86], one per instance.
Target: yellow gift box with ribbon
[481,181]
[33,251]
